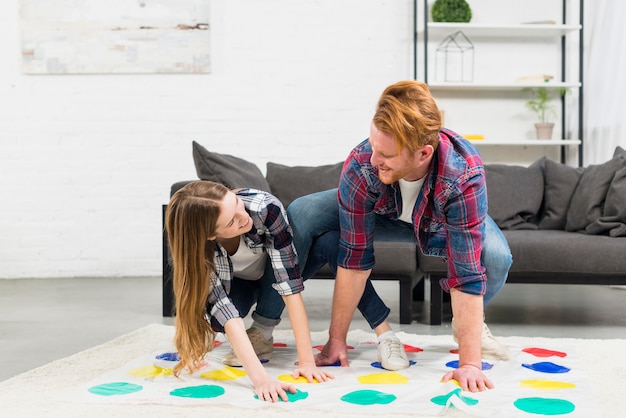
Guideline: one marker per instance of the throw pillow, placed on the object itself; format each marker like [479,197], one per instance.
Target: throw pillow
[232,172]
[515,194]
[613,219]
[587,203]
[289,183]
[619,151]
[560,182]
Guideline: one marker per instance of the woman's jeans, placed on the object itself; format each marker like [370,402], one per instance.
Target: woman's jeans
[314,219]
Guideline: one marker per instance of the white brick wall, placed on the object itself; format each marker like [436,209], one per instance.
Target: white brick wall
[86,161]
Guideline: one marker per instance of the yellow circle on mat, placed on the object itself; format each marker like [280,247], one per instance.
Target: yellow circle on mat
[227,373]
[541,384]
[288,378]
[383,379]
[150,371]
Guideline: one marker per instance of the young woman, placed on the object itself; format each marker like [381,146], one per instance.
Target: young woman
[230,250]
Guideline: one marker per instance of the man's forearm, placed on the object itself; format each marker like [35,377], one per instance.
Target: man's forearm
[467,311]
[349,287]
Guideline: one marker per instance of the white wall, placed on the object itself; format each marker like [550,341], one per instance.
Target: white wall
[86,161]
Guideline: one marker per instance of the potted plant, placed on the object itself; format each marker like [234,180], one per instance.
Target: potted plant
[451,11]
[541,105]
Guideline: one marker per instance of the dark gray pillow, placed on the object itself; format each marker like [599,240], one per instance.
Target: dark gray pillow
[515,194]
[232,172]
[613,219]
[587,202]
[560,182]
[289,183]
[619,151]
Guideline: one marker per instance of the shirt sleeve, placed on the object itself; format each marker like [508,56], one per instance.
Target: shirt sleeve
[466,213]
[220,307]
[356,217]
[279,246]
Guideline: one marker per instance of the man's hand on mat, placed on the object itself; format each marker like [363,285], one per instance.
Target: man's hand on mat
[335,351]
[470,378]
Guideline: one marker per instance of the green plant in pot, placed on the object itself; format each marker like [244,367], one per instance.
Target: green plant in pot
[541,104]
[451,11]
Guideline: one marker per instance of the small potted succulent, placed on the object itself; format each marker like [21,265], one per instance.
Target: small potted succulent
[541,105]
[451,11]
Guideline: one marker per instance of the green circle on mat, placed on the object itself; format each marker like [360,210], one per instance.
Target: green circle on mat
[544,406]
[115,388]
[368,397]
[201,391]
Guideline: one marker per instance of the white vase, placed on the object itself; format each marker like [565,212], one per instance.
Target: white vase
[544,130]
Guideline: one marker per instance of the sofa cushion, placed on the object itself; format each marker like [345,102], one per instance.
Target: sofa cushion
[232,172]
[560,181]
[587,203]
[613,219]
[288,183]
[515,194]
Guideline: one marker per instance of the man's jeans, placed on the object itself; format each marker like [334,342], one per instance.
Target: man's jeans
[314,219]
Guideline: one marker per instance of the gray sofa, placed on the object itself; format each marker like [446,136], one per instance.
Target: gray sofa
[564,225]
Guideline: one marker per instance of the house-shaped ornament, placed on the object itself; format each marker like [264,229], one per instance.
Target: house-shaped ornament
[455,59]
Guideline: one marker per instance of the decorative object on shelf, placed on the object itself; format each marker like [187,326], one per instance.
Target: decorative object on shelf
[542,107]
[455,58]
[451,11]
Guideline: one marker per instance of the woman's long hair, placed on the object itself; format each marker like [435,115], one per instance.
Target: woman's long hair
[190,219]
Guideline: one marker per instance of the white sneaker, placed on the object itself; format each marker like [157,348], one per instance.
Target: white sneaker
[491,348]
[391,354]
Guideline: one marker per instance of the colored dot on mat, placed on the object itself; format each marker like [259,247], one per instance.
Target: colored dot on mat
[454,364]
[293,397]
[443,399]
[546,367]
[412,349]
[115,388]
[226,373]
[540,384]
[544,406]
[454,351]
[279,345]
[390,378]
[288,378]
[217,343]
[151,371]
[542,352]
[168,357]
[368,397]
[380,366]
[201,391]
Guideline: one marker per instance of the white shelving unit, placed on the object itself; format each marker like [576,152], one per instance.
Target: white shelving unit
[552,36]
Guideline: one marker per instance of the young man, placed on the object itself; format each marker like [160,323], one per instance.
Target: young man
[424,183]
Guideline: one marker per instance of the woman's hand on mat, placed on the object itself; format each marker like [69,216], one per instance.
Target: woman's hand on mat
[309,371]
[273,391]
[470,378]
[335,351]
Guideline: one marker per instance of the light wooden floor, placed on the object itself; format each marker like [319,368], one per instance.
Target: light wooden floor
[46,319]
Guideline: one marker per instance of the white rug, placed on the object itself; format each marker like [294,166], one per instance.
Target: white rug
[65,388]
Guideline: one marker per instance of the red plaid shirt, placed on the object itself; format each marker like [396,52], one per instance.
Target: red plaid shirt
[448,217]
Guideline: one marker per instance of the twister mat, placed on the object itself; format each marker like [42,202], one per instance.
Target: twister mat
[539,381]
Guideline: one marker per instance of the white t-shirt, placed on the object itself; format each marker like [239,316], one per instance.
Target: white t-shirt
[246,264]
[409,191]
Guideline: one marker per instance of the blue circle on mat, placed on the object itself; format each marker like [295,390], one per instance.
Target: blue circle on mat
[380,366]
[546,367]
[169,356]
[454,364]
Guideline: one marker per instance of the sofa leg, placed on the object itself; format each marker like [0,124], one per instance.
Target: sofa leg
[419,292]
[168,289]
[436,300]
